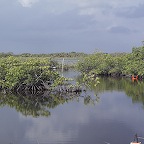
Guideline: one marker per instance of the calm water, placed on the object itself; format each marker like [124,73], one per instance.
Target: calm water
[113,115]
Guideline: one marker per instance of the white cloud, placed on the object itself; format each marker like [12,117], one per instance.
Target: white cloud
[85,7]
[27,3]
[120,29]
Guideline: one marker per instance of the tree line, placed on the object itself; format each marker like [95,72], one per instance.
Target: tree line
[53,55]
[115,64]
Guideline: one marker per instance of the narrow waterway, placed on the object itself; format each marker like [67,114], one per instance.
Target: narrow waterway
[113,114]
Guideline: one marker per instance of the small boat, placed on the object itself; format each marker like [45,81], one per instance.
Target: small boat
[136,141]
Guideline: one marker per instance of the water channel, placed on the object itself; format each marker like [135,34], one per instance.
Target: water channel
[112,112]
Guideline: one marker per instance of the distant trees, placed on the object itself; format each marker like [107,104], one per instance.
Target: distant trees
[114,64]
[60,54]
[6,54]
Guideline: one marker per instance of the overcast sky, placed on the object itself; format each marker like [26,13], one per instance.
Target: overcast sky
[49,26]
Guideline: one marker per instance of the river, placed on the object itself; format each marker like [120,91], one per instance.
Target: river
[113,114]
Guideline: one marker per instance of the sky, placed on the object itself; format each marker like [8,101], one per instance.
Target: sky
[52,26]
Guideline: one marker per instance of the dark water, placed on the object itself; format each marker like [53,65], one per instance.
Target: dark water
[113,115]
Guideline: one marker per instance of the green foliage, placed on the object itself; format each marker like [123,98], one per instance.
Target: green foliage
[15,71]
[114,64]
[52,55]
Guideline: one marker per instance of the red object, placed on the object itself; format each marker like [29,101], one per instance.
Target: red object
[134,77]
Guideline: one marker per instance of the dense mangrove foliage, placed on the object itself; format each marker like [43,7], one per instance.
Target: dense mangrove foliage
[34,74]
[117,64]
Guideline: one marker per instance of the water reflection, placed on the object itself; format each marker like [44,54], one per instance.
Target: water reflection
[40,105]
[114,119]
[105,113]
[133,89]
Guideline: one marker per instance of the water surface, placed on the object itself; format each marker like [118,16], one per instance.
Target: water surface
[112,115]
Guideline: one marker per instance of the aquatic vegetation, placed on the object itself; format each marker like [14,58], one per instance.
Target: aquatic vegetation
[117,64]
[28,74]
